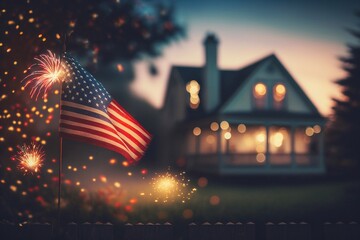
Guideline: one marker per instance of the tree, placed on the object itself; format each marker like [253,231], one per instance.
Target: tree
[344,130]
[101,33]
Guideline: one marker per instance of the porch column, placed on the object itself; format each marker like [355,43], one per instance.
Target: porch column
[219,153]
[293,159]
[197,144]
[267,155]
[321,150]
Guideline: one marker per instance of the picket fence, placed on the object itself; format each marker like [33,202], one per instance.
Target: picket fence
[205,231]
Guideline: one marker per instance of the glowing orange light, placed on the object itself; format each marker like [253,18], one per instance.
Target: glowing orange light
[224,125]
[214,126]
[242,128]
[259,90]
[120,67]
[103,179]
[112,161]
[197,131]
[279,92]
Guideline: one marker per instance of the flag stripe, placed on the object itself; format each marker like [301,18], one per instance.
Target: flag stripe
[94,131]
[95,126]
[84,112]
[79,118]
[124,127]
[136,147]
[114,103]
[86,108]
[125,117]
[91,136]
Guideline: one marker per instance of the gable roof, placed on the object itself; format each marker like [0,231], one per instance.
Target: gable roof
[231,81]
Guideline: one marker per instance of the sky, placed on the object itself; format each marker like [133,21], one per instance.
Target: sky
[307,36]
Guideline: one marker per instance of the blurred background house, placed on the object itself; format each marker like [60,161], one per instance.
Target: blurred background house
[253,120]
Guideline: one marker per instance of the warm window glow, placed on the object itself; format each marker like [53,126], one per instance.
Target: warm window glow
[259,90]
[277,139]
[260,137]
[279,92]
[193,88]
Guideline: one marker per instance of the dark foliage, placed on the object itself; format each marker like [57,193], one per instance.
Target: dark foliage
[344,129]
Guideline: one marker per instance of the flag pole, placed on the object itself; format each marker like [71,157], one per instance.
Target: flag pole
[62,52]
[59,179]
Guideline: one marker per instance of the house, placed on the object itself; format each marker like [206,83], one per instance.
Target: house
[253,120]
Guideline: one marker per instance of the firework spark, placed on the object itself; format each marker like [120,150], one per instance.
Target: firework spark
[30,158]
[47,70]
[169,188]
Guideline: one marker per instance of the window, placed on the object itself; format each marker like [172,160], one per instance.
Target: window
[259,92]
[307,144]
[279,94]
[279,145]
[193,88]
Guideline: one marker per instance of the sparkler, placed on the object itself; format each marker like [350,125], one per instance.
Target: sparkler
[30,158]
[47,71]
[167,187]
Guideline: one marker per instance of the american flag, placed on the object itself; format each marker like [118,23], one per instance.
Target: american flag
[89,114]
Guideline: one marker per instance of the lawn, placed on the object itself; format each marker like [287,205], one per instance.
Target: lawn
[315,200]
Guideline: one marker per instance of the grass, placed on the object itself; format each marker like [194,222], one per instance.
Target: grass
[261,201]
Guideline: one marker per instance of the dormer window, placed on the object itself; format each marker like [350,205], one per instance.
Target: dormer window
[259,92]
[279,94]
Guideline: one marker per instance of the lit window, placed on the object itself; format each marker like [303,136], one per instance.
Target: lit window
[259,93]
[260,90]
[279,92]
[193,88]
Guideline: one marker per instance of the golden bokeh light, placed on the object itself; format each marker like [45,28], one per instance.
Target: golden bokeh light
[279,92]
[317,129]
[241,128]
[260,137]
[193,88]
[260,157]
[309,131]
[277,139]
[259,90]
[214,126]
[227,135]
[224,125]
[197,131]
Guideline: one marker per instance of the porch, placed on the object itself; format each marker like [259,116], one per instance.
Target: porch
[229,148]
[229,164]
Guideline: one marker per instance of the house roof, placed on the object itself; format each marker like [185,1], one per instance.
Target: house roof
[231,81]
